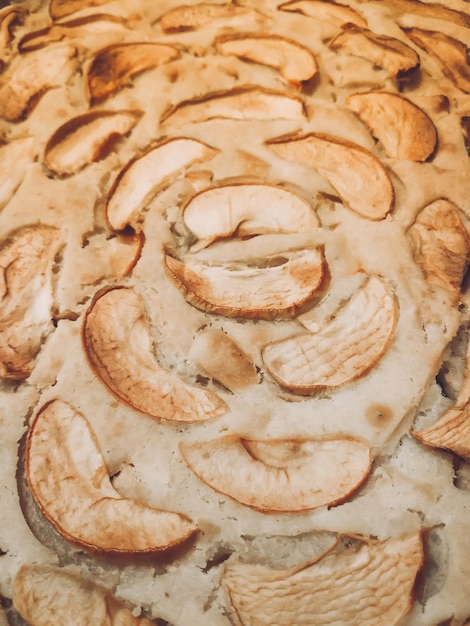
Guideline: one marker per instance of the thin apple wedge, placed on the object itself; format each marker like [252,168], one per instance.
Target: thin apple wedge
[10,16]
[451,432]
[325,10]
[344,349]
[281,476]
[359,178]
[58,9]
[371,585]
[432,10]
[192,17]
[119,348]
[69,480]
[404,130]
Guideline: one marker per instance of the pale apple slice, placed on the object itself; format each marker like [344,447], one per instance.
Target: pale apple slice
[451,54]
[281,476]
[432,10]
[119,348]
[325,10]
[45,595]
[59,9]
[113,67]
[69,480]
[247,209]
[441,246]
[144,176]
[31,75]
[342,350]
[241,103]
[15,157]
[87,138]
[195,16]
[404,130]
[451,432]
[359,178]
[295,62]
[26,297]
[371,585]
[391,54]
[274,287]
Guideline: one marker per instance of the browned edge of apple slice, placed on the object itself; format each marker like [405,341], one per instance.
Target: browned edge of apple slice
[325,10]
[192,17]
[432,10]
[59,9]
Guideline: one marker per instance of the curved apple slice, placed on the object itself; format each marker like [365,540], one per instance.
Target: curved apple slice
[144,176]
[295,62]
[281,476]
[15,156]
[113,67]
[62,8]
[450,432]
[405,131]
[69,480]
[241,103]
[371,586]
[275,287]
[432,10]
[247,209]
[325,10]
[359,178]
[86,138]
[192,17]
[119,348]
[343,349]
[10,16]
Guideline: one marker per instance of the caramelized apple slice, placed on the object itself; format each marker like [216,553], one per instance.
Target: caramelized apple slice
[26,262]
[87,138]
[274,287]
[119,348]
[451,54]
[359,178]
[247,209]
[441,246]
[432,10]
[59,9]
[195,16]
[45,595]
[325,10]
[9,17]
[465,125]
[240,103]
[404,130]
[281,475]
[371,585]
[143,177]
[342,350]
[15,156]
[294,61]
[113,67]
[69,480]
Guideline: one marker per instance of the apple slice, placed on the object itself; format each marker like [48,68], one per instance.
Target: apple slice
[247,209]
[295,62]
[119,348]
[195,16]
[274,287]
[26,264]
[359,178]
[59,9]
[371,585]
[69,480]
[87,138]
[113,67]
[10,16]
[325,10]
[241,103]
[465,126]
[144,176]
[432,10]
[15,156]
[343,349]
[281,476]
[404,130]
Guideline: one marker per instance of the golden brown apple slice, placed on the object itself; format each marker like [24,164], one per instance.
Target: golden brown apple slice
[359,178]
[281,476]
[15,156]
[45,595]
[295,62]
[144,176]
[432,10]
[69,480]
[118,345]
[343,349]
[241,103]
[386,52]
[113,67]
[26,263]
[450,432]
[325,10]
[404,130]
[441,246]
[247,209]
[371,586]
[29,76]
[451,54]
[10,16]
[193,17]
[59,9]
[86,139]
[275,287]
